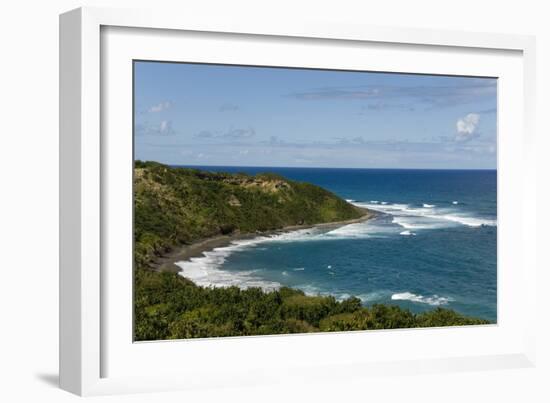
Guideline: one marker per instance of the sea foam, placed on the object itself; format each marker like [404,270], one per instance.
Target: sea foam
[428,216]
[206,270]
[407,233]
[434,300]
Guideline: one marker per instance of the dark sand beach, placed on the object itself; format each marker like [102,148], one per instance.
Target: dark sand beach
[196,249]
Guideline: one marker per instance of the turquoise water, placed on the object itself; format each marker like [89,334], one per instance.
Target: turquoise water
[432,244]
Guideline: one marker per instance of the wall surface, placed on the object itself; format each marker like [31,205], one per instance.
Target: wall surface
[29,201]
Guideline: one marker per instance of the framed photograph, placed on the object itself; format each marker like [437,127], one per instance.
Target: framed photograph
[243,202]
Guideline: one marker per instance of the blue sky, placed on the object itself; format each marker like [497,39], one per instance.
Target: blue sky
[193,114]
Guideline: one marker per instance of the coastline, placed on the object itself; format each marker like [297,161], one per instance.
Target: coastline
[340,275]
[184,253]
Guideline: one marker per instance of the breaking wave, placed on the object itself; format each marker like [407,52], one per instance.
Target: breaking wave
[397,219]
[206,270]
[407,233]
[428,216]
[434,300]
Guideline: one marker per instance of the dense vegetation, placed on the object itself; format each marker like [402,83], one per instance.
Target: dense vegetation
[176,206]
[169,306]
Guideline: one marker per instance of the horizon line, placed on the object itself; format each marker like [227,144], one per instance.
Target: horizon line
[302,167]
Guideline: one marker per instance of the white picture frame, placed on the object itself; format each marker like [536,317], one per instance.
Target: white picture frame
[93,348]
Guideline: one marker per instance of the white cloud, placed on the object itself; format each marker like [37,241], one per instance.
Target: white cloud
[160,107]
[240,133]
[234,134]
[229,108]
[466,127]
[164,128]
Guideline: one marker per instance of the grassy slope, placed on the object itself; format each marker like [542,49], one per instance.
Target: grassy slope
[178,206]
[175,206]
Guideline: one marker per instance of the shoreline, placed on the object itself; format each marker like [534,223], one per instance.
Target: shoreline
[197,248]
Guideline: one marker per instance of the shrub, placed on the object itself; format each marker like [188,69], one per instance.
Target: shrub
[292,325]
[360,320]
[198,324]
[308,309]
[446,317]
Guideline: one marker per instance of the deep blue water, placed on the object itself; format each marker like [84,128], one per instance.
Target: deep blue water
[433,243]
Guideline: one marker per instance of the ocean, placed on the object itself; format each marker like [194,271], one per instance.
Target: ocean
[433,243]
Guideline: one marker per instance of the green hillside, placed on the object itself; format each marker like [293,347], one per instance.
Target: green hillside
[175,206]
